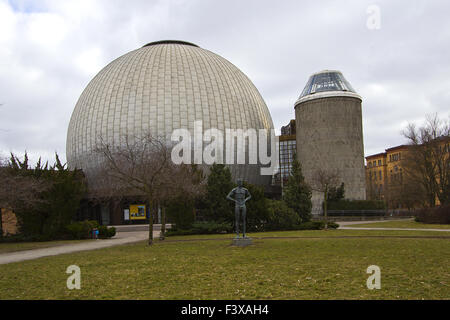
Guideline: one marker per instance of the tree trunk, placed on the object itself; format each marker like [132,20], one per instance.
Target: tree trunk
[163,224]
[1,223]
[325,209]
[150,226]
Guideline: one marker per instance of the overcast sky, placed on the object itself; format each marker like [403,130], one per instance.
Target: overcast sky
[399,63]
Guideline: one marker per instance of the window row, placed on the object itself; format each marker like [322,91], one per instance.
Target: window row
[374,163]
[395,157]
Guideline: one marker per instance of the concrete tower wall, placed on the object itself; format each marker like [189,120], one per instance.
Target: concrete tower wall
[329,137]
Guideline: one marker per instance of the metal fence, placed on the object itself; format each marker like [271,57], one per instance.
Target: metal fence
[367,213]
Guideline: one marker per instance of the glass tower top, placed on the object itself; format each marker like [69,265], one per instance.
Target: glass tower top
[326,81]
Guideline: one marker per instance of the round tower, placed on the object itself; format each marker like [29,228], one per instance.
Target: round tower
[329,133]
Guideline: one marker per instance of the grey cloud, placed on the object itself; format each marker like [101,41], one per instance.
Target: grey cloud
[278,44]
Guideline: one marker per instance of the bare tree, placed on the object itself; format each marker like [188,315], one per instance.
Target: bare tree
[103,189]
[402,191]
[427,162]
[182,180]
[322,181]
[142,166]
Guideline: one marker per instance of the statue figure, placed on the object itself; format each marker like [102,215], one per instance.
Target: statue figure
[241,196]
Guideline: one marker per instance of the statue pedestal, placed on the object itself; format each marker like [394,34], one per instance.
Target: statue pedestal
[241,242]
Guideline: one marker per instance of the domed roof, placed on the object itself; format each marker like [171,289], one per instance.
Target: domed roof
[160,87]
[325,84]
[171,42]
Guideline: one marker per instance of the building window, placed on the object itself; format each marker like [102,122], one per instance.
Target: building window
[395,157]
[286,154]
[379,162]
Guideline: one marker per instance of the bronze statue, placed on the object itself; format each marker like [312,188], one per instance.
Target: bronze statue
[241,196]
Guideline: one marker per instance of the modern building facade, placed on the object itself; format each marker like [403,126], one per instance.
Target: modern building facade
[329,133]
[287,152]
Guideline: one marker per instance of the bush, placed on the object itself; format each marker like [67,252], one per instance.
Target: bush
[105,233]
[216,205]
[436,215]
[297,193]
[20,237]
[257,209]
[313,225]
[281,217]
[356,205]
[81,229]
[59,199]
[181,213]
[218,228]
[317,225]
[202,228]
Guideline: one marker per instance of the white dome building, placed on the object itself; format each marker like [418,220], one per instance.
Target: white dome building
[163,86]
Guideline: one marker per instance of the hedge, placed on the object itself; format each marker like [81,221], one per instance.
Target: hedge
[218,228]
[81,229]
[356,205]
[201,228]
[437,215]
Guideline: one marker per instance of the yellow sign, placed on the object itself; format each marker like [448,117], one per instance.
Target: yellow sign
[137,212]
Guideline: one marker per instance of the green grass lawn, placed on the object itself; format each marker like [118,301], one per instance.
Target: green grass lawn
[20,246]
[402,224]
[319,265]
[331,233]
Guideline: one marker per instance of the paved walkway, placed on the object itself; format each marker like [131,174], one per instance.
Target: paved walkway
[119,239]
[349,223]
[398,229]
[343,225]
